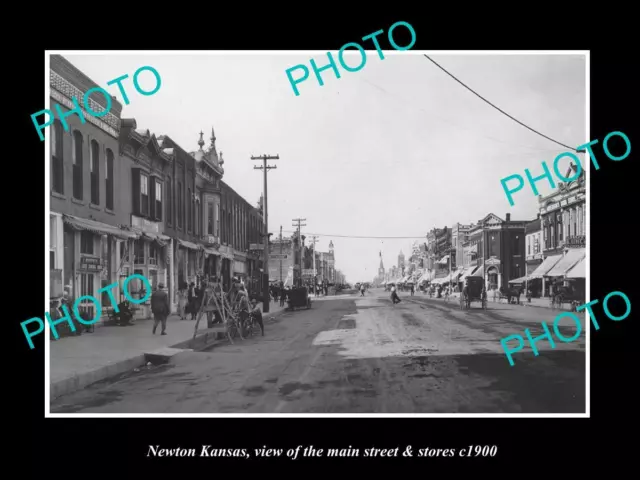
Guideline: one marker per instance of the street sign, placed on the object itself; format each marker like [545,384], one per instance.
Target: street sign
[278,256]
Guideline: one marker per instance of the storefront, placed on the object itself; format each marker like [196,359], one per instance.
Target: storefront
[149,254]
[90,259]
[186,256]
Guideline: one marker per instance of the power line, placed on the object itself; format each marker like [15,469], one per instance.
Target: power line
[498,108]
[355,236]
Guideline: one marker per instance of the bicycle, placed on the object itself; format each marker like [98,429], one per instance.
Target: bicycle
[249,325]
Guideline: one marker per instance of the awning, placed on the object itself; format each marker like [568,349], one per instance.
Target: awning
[479,271]
[454,275]
[580,270]
[468,272]
[97,227]
[518,281]
[426,276]
[161,240]
[189,245]
[211,251]
[566,263]
[545,266]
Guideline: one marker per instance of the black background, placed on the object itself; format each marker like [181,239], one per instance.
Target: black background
[92,447]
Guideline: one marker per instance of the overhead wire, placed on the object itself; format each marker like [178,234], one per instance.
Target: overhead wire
[498,108]
[355,236]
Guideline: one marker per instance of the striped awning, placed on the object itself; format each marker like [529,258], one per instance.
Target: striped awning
[97,227]
[468,272]
[567,262]
[545,266]
[580,270]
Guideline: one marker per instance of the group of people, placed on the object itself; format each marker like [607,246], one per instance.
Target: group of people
[192,298]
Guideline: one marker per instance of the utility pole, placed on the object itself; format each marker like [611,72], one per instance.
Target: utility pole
[280,253]
[314,239]
[265,264]
[299,225]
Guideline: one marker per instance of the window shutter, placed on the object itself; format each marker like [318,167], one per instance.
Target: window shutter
[135,182]
[162,197]
[152,197]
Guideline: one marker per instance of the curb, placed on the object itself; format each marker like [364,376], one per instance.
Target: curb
[83,380]
[206,339]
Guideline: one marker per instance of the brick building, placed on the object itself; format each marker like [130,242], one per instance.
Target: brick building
[86,214]
[496,248]
[142,188]
[124,201]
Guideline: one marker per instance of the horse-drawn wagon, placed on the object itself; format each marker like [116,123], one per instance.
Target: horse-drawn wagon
[298,298]
[473,291]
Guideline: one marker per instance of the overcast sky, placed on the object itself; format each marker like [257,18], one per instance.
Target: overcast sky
[392,150]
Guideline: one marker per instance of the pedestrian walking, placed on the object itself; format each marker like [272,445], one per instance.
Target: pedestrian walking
[161,308]
[191,299]
[413,289]
[362,290]
[182,302]
[394,295]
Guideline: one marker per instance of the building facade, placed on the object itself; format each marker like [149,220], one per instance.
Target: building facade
[563,216]
[86,216]
[124,201]
[534,255]
[146,168]
[502,249]
[459,236]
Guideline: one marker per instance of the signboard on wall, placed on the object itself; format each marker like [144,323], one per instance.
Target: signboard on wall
[92,264]
[239,267]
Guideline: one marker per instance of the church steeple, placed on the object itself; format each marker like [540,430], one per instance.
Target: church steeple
[201,141]
[381,267]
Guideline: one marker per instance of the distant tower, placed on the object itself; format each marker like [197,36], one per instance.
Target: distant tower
[381,267]
[331,247]
[401,264]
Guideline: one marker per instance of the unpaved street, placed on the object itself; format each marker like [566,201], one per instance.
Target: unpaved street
[352,354]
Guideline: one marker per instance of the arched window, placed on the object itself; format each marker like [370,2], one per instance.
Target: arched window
[57,159]
[95,172]
[77,165]
[108,179]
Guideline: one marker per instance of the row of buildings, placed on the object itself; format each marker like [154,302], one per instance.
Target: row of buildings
[292,262]
[505,251]
[124,201]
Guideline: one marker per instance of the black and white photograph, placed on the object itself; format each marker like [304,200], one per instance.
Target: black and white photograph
[282,234]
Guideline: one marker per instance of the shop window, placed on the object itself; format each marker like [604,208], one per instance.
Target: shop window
[94,166]
[153,254]
[87,307]
[52,259]
[77,165]
[153,279]
[57,159]
[108,179]
[86,242]
[138,251]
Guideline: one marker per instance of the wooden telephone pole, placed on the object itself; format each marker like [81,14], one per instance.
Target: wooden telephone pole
[314,240]
[265,264]
[299,225]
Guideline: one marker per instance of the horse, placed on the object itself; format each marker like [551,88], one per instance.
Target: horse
[510,293]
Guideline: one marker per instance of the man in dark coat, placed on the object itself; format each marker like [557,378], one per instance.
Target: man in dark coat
[161,308]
